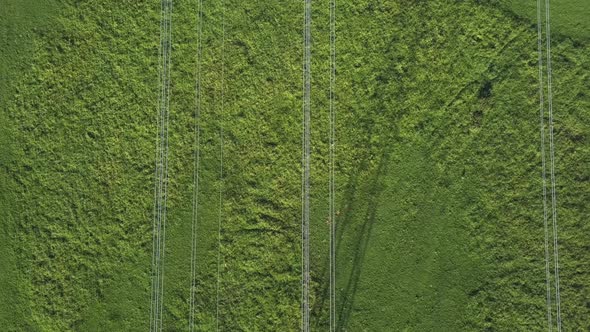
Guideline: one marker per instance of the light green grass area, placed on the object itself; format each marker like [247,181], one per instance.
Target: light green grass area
[79,163]
[411,267]
[439,221]
[568,17]
[17,21]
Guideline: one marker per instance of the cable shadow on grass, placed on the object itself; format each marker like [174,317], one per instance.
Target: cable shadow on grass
[347,214]
[375,191]
[350,205]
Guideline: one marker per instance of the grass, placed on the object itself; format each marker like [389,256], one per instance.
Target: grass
[439,193]
[567,16]
[477,121]
[17,21]
[76,183]
[410,267]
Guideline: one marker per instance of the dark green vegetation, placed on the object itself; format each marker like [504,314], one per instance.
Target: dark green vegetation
[439,192]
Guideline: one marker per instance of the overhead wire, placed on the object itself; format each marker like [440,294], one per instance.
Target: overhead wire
[155,222]
[543,164]
[552,164]
[196,166]
[221,133]
[306,162]
[332,142]
[165,204]
[156,283]
[161,191]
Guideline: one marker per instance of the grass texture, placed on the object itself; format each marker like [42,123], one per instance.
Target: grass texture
[439,201]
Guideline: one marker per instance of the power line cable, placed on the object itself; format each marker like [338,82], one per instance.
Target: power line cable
[165,205]
[543,163]
[156,283]
[220,163]
[156,221]
[306,161]
[332,166]
[552,164]
[161,191]
[196,169]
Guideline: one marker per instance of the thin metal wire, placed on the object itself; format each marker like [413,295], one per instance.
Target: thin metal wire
[196,168]
[543,163]
[303,77]
[165,204]
[156,283]
[220,163]
[552,163]
[161,191]
[156,221]
[306,161]
[332,167]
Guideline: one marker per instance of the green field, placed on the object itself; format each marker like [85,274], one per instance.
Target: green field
[568,17]
[439,192]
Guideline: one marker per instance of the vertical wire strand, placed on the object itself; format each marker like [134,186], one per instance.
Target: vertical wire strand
[543,164]
[197,135]
[332,166]
[165,181]
[158,203]
[155,221]
[162,171]
[552,165]
[307,160]
[220,163]
[165,168]
[303,76]
[303,174]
